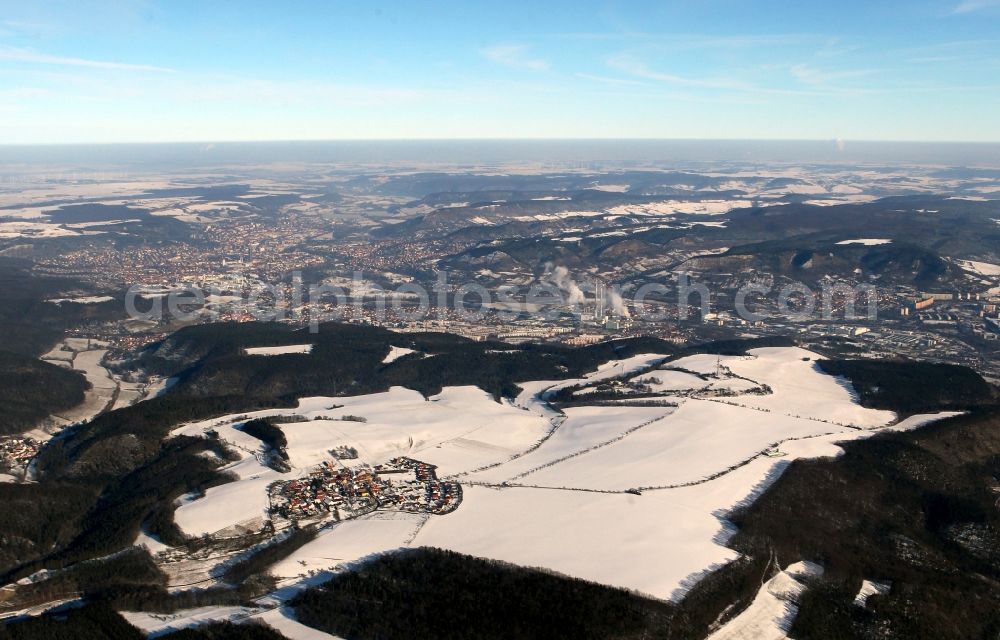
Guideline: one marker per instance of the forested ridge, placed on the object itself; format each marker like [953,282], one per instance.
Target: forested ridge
[31,390]
[916,508]
[432,593]
[912,387]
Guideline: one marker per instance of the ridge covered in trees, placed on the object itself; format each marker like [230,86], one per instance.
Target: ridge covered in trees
[912,387]
[31,390]
[916,510]
[432,593]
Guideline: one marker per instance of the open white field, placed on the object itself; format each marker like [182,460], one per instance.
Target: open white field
[666,380]
[644,542]
[350,541]
[229,504]
[980,268]
[658,543]
[583,429]
[798,387]
[550,489]
[461,429]
[701,438]
[278,351]
[103,386]
[129,393]
[868,242]
[533,392]
[85,356]
[677,207]
[395,353]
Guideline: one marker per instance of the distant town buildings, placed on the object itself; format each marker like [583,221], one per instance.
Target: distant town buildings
[344,492]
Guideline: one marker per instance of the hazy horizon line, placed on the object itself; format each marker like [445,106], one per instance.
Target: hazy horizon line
[496,139]
[588,152]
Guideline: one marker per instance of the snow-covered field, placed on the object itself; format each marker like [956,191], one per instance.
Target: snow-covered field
[83,300]
[350,541]
[35,230]
[229,504]
[799,388]
[278,351]
[629,496]
[651,543]
[675,207]
[583,429]
[980,268]
[668,380]
[698,440]
[461,429]
[395,353]
[85,356]
[868,242]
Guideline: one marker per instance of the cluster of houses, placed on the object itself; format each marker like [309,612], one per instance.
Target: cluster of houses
[17,451]
[424,494]
[344,492]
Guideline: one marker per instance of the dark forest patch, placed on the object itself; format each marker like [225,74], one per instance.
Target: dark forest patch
[911,387]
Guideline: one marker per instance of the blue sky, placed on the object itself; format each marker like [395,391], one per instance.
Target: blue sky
[140,71]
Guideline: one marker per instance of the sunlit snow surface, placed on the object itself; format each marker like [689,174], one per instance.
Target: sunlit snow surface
[868,242]
[279,351]
[548,489]
[770,615]
[395,353]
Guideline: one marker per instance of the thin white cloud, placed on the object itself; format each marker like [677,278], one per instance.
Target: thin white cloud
[935,59]
[515,56]
[834,47]
[972,6]
[685,41]
[14,54]
[26,93]
[632,66]
[35,28]
[607,80]
[226,89]
[821,78]
[815,81]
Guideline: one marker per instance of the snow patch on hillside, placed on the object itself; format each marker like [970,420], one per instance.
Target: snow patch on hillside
[868,242]
[770,615]
[277,351]
[395,353]
[980,268]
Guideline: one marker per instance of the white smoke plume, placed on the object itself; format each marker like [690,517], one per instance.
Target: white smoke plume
[560,277]
[616,303]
